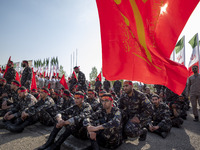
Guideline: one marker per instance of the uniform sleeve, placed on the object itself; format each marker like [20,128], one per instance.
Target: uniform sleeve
[37,108]
[84,114]
[165,117]
[115,122]
[146,110]
[29,75]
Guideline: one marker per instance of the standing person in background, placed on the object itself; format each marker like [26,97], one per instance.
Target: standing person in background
[27,75]
[81,79]
[193,91]
[106,85]
[117,87]
[11,73]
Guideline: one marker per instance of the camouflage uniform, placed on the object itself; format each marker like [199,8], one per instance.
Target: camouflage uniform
[161,118]
[23,105]
[81,81]
[10,75]
[97,85]
[72,83]
[111,136]
[76,115]
[117,87]
[4,89]
[177,121]
[106,85]
[93,103]
[66,104]
[136,106]
[44,110]
[12,101]
[26,79]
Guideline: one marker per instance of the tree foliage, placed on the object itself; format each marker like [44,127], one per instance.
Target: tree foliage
[93,74]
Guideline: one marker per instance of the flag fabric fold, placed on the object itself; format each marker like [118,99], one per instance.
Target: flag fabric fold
[194,59]
[63,82]
[17,77]
[33,84]
[7,66]
[138,38]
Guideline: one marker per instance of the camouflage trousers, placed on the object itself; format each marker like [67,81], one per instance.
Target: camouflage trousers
[177,122]
[110,140]
[164,128]
[45,118]
[132,129]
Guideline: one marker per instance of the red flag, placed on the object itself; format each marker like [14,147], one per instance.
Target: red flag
[99,76]
[49,85]
[63,82]
[17,77]
[138,38]
[0,69]
[75,76]
[7,66]
[33,85]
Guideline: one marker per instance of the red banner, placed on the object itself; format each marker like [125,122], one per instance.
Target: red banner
[138,37]
[63,82]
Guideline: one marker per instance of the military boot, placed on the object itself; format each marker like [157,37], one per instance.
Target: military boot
[143,135]
[196,118]
[51,138]
[17,128]
[61,139]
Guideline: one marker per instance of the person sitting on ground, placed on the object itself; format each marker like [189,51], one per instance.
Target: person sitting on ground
[72,119]
[161,122]
[105,126]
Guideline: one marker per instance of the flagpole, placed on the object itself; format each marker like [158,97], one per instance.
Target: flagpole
[71,65]
[173,55]
[73,59]
[76,56]
[198,49]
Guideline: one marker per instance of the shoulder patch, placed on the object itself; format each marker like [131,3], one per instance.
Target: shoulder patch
[147,101]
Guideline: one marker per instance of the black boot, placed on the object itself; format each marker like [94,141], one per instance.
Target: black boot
[62,138]
[51,138]
[94,145]
[143,135]
[17,128]
[196,118]
[163,134]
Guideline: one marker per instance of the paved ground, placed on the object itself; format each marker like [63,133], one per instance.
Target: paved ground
[185,138]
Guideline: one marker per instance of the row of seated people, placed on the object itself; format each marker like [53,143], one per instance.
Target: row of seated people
[105,120]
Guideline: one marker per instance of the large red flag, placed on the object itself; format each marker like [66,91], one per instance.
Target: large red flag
[138,37]
[33,84]
[63,82]
[7,66]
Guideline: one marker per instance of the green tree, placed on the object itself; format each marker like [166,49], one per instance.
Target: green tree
[93,75]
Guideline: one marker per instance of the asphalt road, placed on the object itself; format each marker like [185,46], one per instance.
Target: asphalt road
[185,138]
